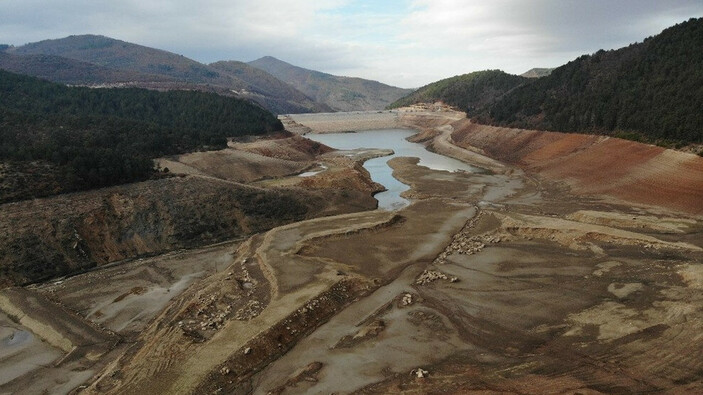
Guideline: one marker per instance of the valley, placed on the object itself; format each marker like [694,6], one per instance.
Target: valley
[264,267]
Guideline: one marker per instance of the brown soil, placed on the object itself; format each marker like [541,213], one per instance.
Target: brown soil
[488,282]
[51,237]
[294,148]
[232,165]
[622,169]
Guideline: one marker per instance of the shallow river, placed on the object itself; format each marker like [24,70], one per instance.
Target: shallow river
[378,167]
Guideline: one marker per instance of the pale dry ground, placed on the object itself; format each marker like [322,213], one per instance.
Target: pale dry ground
[21,351]
[124,298]
[345,121]
[412,117]
[496,282]
[127,296]
[232,165]
[67,350]
[534,281]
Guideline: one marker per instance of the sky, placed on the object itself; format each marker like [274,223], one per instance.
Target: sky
[406,43]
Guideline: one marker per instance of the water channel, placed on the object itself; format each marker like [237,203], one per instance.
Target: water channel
[378,167]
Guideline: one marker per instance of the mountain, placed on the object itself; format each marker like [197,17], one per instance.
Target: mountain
[273,89]
[537,72]
[121,55]
[465,91]
[56,139]
[71,71]
[651,91]
[98,60]
[340,93]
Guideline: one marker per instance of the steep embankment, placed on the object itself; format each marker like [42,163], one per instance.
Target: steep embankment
[45,238]
[623,169]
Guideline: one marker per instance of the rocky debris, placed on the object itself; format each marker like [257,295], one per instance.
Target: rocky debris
[462,242]
[419,373]
[224,371]
[205,315]
[211,310]
[429,276]
[466,244]
[252,309]
[277,339]
[406,300]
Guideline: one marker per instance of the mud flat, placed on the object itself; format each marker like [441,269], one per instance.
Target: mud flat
[51,347]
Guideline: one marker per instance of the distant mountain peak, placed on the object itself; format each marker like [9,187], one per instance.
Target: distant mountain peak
[339,93]
[90,59]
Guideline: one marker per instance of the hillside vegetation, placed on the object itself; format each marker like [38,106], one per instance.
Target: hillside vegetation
[56,139]
[650,91]
[468,91]
[339,93]
[121,55]
[71,71]
[55,236]
[98,60]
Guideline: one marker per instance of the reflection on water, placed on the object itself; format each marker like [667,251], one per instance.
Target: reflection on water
[378,167]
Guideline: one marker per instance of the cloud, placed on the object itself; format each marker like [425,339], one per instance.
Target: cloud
[402,42]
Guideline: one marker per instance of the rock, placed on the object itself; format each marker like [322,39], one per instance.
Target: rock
[224,371]
[247,351]
[420,373]
[429,276]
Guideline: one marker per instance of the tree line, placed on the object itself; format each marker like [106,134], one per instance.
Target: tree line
[101,137]
[650,91]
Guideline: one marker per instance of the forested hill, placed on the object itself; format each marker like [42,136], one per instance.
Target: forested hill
[125,56]
[466,91]
[71,71]
[651,91]
[56,139]
[97,60]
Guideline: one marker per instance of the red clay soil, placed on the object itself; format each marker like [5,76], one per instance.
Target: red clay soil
[627,170]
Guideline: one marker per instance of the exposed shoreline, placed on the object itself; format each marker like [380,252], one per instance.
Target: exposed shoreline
[503,281]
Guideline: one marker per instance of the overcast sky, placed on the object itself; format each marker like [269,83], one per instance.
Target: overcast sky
[406,43]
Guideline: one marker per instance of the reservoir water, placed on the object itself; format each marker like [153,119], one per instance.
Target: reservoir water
[378,167]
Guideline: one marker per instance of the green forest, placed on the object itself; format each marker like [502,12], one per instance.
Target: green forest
[84,138]
[466,92]
[650,91]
